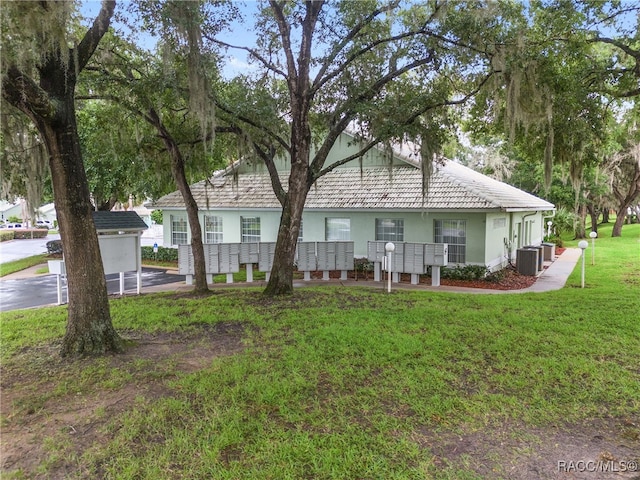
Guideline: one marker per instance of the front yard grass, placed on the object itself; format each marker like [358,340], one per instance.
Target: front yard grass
[19,265]
[333,383]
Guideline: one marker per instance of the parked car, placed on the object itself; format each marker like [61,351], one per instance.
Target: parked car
[43,224]
[12,225]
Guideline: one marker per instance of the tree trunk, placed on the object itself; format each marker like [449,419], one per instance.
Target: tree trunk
[621,214]
[605,215]
[593,214]
[579,228]
[281,279]
[89,328]
[179,176]
[49,101]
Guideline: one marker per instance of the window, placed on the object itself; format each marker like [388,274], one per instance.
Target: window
[390,229]
[337,229]
[454,233]
[250,229]
[178,231]
[212,229]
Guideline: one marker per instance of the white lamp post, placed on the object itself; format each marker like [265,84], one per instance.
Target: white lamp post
[583,244]
[389,248]
[549,223]
[593,236]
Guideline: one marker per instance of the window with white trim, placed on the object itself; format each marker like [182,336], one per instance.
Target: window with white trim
[212,229]
[250,229]
[390,229]
[454,233]
[178,231]
[337,229]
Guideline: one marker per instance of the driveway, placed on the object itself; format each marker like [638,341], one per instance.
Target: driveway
[17,249]
[41,290]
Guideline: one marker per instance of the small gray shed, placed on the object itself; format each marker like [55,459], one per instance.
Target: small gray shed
[119,238]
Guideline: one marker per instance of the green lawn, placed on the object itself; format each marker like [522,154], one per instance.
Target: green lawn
[18,265]
[336,383]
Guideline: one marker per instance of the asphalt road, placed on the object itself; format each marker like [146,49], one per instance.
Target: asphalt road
[42,290]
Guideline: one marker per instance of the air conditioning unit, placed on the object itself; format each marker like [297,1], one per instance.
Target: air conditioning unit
[527,261]
[549,251]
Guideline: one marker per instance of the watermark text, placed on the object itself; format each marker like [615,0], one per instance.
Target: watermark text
[597,466]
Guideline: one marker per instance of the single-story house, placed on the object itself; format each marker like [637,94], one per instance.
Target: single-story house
[11,209]
[380,198]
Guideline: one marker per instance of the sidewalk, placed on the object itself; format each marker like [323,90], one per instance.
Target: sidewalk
[553,277]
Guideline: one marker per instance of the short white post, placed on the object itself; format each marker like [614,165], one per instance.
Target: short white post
[59,282]
[593,236]
[583,244]
[389,248]
[435,276]
[121,283]
[229,277]
[249,272]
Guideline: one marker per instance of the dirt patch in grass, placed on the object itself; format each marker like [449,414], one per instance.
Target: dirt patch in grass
[51,423]
[601,449]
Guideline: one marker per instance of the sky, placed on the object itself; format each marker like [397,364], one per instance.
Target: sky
[241,34]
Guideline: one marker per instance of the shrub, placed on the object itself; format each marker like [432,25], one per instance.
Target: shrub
[363,265]
[27,233]
[54,247]
[497,276]
[163,255]
[6,235]
[466,272]
[156,216]
[563,221]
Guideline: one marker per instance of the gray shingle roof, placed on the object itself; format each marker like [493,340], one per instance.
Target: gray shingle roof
[452,186]
[118,222]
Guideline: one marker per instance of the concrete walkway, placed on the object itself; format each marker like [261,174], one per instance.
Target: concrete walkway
[553,277]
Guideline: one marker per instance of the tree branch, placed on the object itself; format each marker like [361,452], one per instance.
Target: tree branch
[23,93]
[276,184]
[93,36]
[285,35]
[353,33]
[348,159]
[254,53]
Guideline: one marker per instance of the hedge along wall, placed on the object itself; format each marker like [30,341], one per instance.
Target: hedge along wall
[163,255]
[29,233]
[6,235]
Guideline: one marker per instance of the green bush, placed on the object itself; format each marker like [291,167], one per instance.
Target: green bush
[554,239]
[467,272]
[156,216]
[28,233]
[6,235]
[163,255]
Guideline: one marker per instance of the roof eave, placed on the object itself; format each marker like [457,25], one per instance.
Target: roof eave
[528,209]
